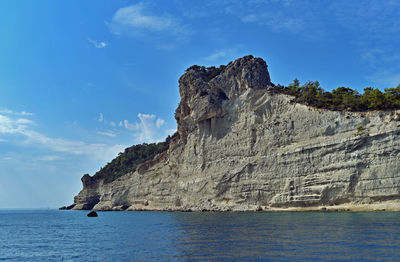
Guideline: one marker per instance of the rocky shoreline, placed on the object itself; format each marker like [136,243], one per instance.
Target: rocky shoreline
[387,206]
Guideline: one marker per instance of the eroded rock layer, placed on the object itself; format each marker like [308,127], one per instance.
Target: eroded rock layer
[242,146]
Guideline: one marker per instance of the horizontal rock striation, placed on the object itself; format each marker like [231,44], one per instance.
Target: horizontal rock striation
[242,146]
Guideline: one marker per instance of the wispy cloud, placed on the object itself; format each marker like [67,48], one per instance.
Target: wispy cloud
[10,126]
[279,22]
[279,16]
[13,126]
[49,158]
[374,57]
[385,78]
[97,44]
[216,55]
[11,112]
[138,21]
[147,129]
[364,19]
[101,118]
[108,125]
[133,16]
[368,18]
[159,122]
[106,133]
[226,53]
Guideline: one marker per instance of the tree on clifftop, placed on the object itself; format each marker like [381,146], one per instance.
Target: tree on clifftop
[343,98]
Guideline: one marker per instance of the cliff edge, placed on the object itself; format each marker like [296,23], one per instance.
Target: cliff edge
[243,146]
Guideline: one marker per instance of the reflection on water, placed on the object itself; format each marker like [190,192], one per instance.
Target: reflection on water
[132,236]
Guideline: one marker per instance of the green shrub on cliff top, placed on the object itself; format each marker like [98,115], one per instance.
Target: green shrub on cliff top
[343,98]
[129,160]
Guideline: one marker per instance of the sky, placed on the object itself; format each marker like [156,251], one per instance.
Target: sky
[82,80]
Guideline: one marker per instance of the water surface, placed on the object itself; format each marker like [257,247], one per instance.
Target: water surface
[52,235]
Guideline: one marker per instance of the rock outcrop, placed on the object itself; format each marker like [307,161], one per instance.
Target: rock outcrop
[242,146]
[92,214]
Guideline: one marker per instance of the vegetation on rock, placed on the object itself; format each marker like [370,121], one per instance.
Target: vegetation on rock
[129,160]
[343,98]
[207,73]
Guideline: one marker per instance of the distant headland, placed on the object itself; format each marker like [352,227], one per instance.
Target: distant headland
[244,143]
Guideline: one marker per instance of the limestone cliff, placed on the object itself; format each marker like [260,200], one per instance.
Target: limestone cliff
[243,146]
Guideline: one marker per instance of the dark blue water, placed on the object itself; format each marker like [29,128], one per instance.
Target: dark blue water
[52,235]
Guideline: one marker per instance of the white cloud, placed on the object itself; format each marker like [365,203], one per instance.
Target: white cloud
[22,127]
[11,112]
[24,121]
[130,126]
[49,158]
[147,129]
[108,133]
[160,122]
[103,120]
[10,126]
[133,16]
[97,44]
[101,117]
[70,146]
[165,31]
[23,113]
[221,55]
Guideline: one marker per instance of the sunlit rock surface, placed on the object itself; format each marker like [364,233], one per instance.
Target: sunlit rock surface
[242,146]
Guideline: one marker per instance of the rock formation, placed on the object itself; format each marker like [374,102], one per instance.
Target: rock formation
[92,214]
[243,146]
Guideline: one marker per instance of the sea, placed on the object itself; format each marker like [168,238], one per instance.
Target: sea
[53,235]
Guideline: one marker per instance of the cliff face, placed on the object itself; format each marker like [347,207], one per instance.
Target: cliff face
[241,146]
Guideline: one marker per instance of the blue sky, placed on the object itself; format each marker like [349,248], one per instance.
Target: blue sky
[82,80]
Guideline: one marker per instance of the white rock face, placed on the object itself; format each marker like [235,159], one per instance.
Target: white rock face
[244,147]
